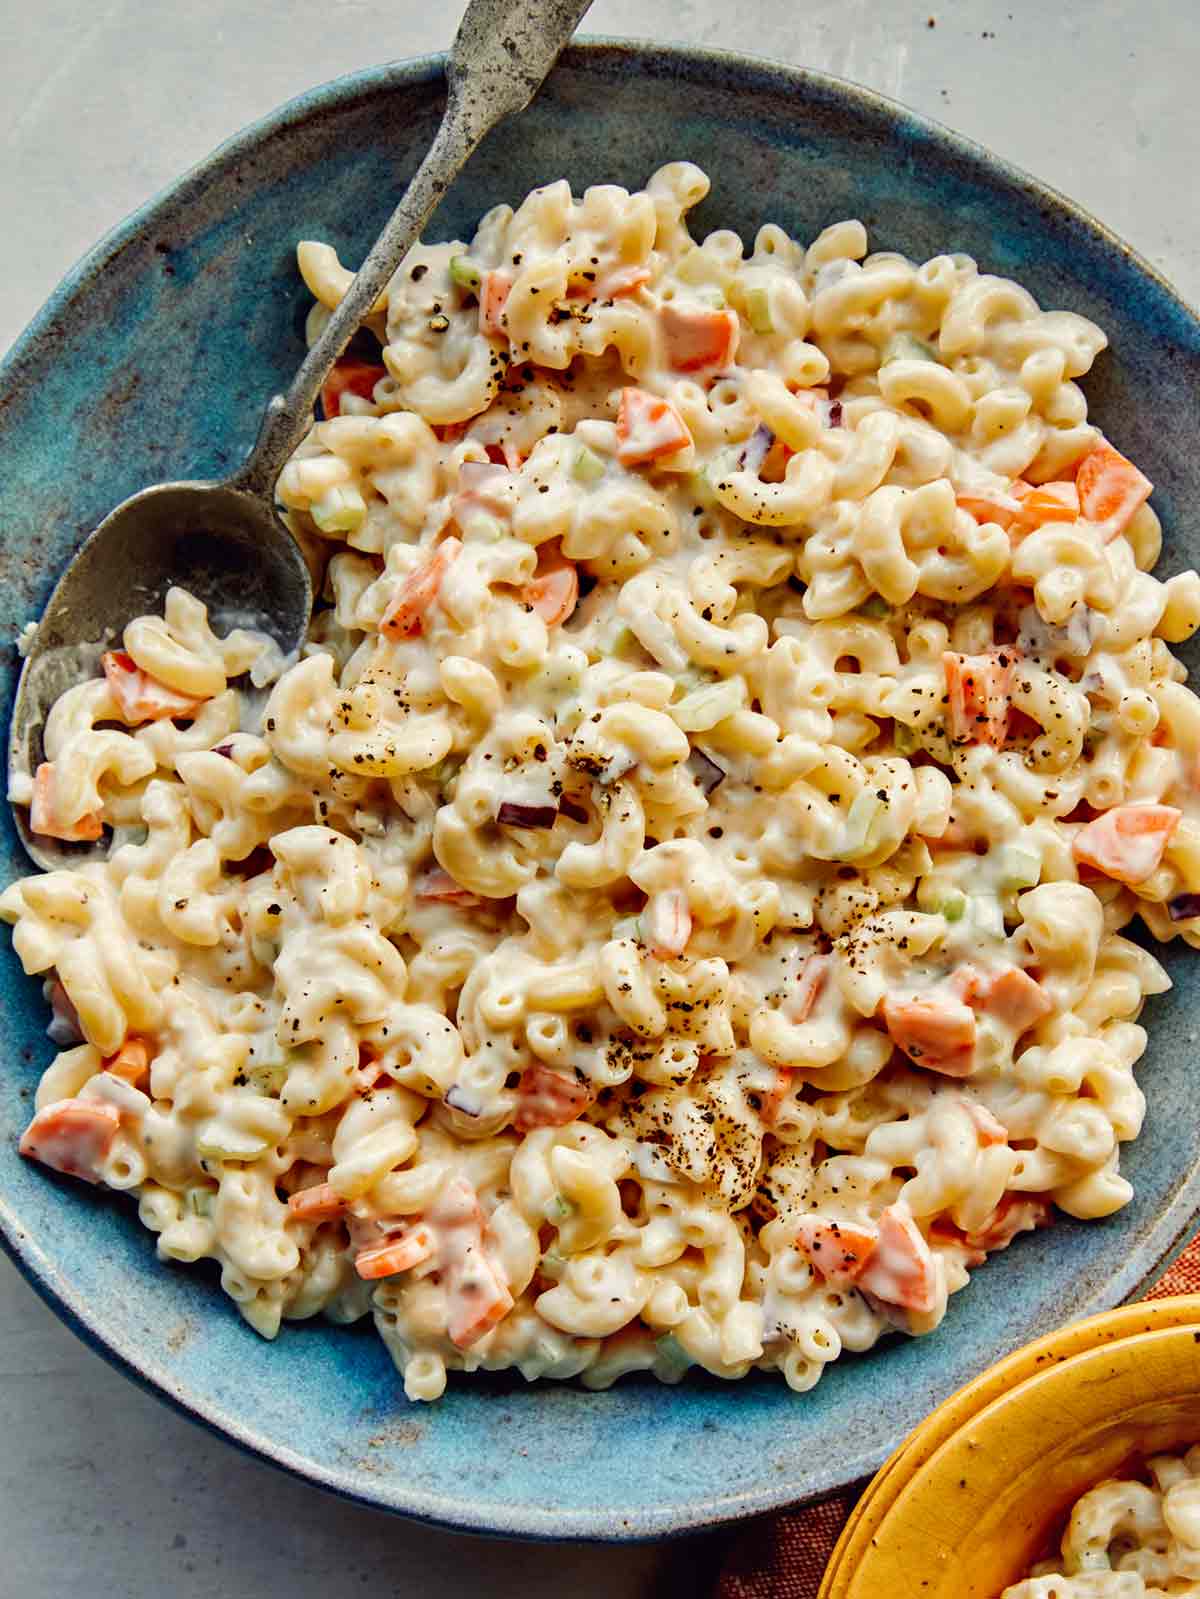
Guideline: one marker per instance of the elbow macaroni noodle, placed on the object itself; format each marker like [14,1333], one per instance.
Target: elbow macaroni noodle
[1128,1539]
[671,912]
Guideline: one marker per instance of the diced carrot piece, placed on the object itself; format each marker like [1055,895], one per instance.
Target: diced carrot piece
[44,820]
[809,984]
[622,280]
[554,591]
[697,337]
[477,1296]
[494,291]
[969,984]
[935,1031]
[1127,843]
[1110,490]
[140,697]
[483,1300]
[900,1270]
[322,1202]
[1017,1000]
[131,1063]
[1048,502]
[648,428]
[350,377]
[989,1129]
[72,1136]
[978,688]
[837,1251]
[797,1008]
[405,617]
[772,1102]
[548,1098]
[667,923]
[395,1254]
[435,884]
[998,508]
[1016,1213]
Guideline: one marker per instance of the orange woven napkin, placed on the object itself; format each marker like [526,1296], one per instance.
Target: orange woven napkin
[784,1556]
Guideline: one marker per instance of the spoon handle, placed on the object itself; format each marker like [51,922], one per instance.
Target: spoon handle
[501,55]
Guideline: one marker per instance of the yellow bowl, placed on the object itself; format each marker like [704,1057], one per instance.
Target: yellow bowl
[889,1482]
[991,1498]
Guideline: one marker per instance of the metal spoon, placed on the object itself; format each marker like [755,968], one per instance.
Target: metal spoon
[224,541]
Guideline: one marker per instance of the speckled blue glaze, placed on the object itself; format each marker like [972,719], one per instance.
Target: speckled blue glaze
[153,360]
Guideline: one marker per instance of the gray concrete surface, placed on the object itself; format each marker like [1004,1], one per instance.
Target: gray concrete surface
[103,1492]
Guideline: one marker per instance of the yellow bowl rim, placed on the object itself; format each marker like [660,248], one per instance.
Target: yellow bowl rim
[1071,1375]
[1064,1344]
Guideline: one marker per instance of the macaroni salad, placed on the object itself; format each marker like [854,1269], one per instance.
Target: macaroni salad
[671,912]
[1128,1540]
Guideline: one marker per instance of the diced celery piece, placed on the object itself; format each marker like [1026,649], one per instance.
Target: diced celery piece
[200,1201]
[559,1208]
[863,812]
[1018,868]
[905,738]
[954,907]
[553,1264]
[907,347]
[758,310]
[986,915]
[713,296]
[627,927]
[876,606]
[704,708]
[587,466]
[222,1142]
[445,774]
[465,273]
[341,510]
[267,1077]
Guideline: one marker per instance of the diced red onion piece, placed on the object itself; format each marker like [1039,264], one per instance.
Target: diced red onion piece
[511,814]
[835,413]
[1184,907]
[224,749]
[458,1101]
[706,772]
[757,448]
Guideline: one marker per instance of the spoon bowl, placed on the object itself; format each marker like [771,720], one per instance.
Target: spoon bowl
[224,543]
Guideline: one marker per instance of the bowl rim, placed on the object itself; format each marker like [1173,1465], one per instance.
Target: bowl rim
[1090,1375]
[1006,1376]
[1169,1231]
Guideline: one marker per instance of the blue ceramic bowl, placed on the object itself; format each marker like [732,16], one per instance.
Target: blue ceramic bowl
[153,361]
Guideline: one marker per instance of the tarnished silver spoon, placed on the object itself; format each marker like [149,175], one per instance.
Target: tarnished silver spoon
[224,541]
